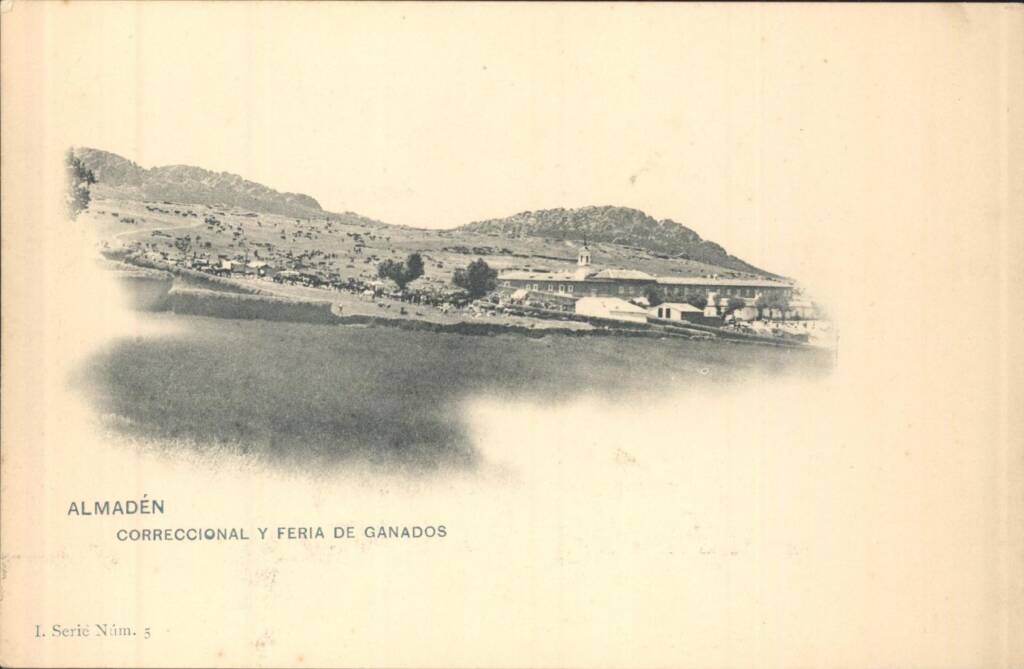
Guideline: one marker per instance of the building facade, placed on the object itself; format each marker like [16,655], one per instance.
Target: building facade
[627,284]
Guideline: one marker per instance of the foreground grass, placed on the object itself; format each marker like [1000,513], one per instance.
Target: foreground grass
[326,394]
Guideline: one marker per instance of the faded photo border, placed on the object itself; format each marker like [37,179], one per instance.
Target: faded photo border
[859,511]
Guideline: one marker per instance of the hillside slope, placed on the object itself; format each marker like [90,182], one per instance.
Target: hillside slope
[628,230]
[613,225]
[118,177]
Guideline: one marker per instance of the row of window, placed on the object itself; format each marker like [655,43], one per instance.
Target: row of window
[728,292]
[637,290]
[731,292]
[562,287]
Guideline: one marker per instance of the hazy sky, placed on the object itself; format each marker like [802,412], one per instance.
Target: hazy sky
[763,128]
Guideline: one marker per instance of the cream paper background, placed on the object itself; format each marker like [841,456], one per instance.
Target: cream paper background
[869,519]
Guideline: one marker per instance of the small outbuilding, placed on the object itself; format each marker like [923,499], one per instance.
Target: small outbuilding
[259,268]
[676,311]
[611,308]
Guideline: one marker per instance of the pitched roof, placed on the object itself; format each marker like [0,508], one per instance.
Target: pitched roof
[679,306]
[609,304]
[708,281]
[626,274]
[516,275]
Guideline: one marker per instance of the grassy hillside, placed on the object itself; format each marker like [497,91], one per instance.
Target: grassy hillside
[175,203]
[350,248]
[118,177]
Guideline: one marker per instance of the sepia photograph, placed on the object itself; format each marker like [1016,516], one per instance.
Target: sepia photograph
[511,334]
[313,337]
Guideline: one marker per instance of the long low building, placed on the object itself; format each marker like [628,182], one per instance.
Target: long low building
[606,283]
[628,283]
[746,288]
[611,308]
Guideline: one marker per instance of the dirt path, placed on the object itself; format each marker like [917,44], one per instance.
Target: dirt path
[124,233]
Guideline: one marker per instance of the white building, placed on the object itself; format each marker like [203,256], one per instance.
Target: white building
[612,308]
[675,311]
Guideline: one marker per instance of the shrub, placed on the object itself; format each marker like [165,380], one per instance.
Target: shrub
[734,303]
[78,179]
[697,300]
[401,273]
[477,278]
[654,296]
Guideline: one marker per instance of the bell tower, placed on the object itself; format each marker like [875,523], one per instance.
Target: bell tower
[583,262]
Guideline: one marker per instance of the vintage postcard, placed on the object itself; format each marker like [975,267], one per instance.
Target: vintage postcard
[511,335]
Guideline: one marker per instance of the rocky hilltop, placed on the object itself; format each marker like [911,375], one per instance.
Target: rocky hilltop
[118,177]
[613,225]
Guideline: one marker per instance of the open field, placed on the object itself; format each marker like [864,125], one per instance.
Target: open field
[315,395]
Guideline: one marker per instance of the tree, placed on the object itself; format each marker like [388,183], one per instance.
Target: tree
[402,272]
[733,304]
[697,300]
[414,266]
[78,179]
[477,278]
[390,269]
[654,295]
[773,301]
[779,301]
